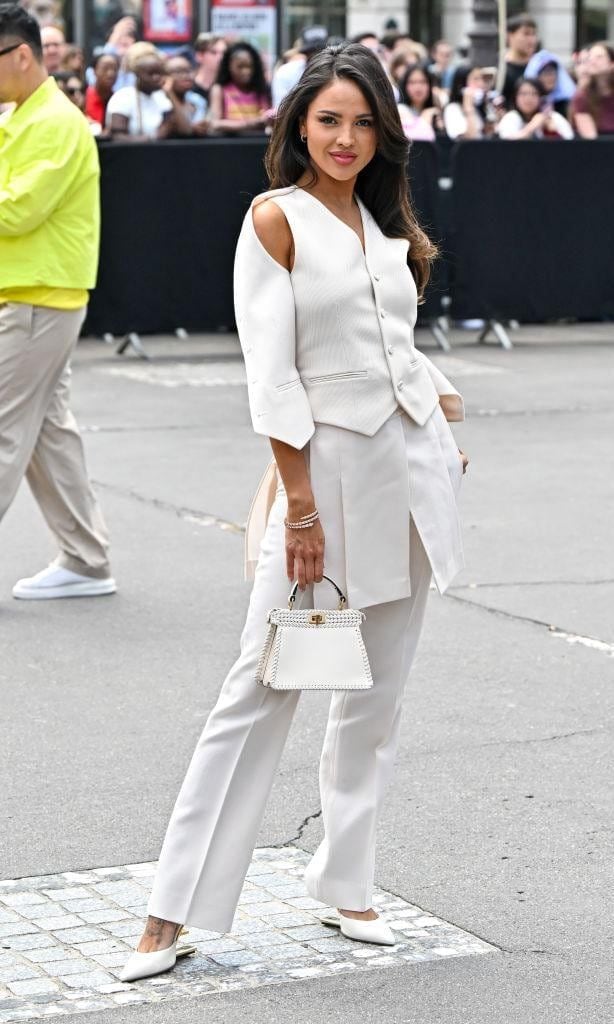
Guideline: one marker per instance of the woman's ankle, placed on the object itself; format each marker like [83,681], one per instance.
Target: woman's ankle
[360,915]
[158,934]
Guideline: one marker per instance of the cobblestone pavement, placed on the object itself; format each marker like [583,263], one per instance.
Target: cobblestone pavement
[64,937]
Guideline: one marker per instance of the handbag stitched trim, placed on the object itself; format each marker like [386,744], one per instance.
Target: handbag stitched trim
[301,618]
[291,618]
[266,650]
[285,622]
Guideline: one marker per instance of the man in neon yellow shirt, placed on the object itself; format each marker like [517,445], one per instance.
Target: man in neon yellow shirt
[49,233]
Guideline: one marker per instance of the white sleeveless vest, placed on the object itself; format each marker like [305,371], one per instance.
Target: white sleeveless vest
[332,340]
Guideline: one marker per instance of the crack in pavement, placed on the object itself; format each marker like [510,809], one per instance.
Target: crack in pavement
[189,515]
[593,643]
[303,825]
[416,754]
[542,739]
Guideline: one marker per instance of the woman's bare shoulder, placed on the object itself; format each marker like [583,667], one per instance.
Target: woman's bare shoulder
[272,229]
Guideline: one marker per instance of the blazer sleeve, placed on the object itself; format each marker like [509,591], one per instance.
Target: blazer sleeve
[265,317]
[450,399]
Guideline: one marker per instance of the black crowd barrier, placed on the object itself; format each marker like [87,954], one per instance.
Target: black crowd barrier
[533,230]
[171,215]
[526,233]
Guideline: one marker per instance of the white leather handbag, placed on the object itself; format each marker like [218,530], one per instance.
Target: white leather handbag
[314,649]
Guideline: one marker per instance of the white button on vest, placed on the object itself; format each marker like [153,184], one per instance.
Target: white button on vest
[376,277]
[401,385]
[390,350]
[382,313]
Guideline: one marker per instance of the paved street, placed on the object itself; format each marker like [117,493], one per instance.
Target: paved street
[496,838]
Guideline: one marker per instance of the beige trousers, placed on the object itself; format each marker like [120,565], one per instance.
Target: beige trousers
[39,437]
[214,825]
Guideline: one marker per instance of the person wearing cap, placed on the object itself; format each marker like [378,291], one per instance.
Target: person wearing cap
[49,231]
[312,39]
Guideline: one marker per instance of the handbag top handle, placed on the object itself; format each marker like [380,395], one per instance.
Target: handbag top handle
[340,594]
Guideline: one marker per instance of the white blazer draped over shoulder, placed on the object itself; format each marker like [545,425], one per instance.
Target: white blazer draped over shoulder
[330,359]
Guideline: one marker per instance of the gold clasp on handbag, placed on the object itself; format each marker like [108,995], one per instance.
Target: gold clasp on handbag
[317,618]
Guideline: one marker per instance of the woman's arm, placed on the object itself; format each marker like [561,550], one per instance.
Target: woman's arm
[180,123]
[304,548]
[526,132]
[585,126]
[119,129]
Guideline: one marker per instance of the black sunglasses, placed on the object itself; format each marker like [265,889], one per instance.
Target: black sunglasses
[9,49]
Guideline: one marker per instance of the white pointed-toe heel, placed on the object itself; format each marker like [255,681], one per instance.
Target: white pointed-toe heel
[145,965]
[376,931]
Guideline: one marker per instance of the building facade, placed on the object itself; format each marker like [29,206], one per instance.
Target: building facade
[564,25]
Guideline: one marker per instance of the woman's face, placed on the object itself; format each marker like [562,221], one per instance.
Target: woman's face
[475,79]
[548,77]
[417,89]
[149,74]
[74,91]
[241,68]
[340,130]
[598,60]
[106,72]
[528,100]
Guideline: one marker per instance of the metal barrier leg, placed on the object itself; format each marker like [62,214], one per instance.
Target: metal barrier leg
[499,332]
[438,331]
[133,341]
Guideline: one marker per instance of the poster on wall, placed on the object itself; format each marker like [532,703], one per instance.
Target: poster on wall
[255,22]
[168,21]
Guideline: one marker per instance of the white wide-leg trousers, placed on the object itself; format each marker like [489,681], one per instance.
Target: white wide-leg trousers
[214,825]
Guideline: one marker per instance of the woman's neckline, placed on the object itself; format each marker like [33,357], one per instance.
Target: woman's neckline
[343,222]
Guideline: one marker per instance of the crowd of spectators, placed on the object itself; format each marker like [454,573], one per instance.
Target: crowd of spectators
[132,91]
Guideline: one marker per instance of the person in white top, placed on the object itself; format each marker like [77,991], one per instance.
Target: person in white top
[286,76]
[329,267]
[530,119]
[419,111]
[143,111]
[464,116]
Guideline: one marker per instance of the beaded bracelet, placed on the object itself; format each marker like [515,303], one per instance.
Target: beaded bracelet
[304,522]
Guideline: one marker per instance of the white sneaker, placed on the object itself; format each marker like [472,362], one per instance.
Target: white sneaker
[55,581]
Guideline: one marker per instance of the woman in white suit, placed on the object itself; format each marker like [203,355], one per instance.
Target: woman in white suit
[329,266]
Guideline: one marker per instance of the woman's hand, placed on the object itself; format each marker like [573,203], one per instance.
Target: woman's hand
[464,459]
[305,554]
[429,114]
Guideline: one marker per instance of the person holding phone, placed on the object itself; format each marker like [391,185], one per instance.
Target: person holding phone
[532,117]
[465,115]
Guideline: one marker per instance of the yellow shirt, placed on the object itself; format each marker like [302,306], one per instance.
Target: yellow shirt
[49,202]
[56,298]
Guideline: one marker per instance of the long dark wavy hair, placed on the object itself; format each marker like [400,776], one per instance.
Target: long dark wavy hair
[257,82]
[382,184]
[599,86]
[459,81]
[429,79]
